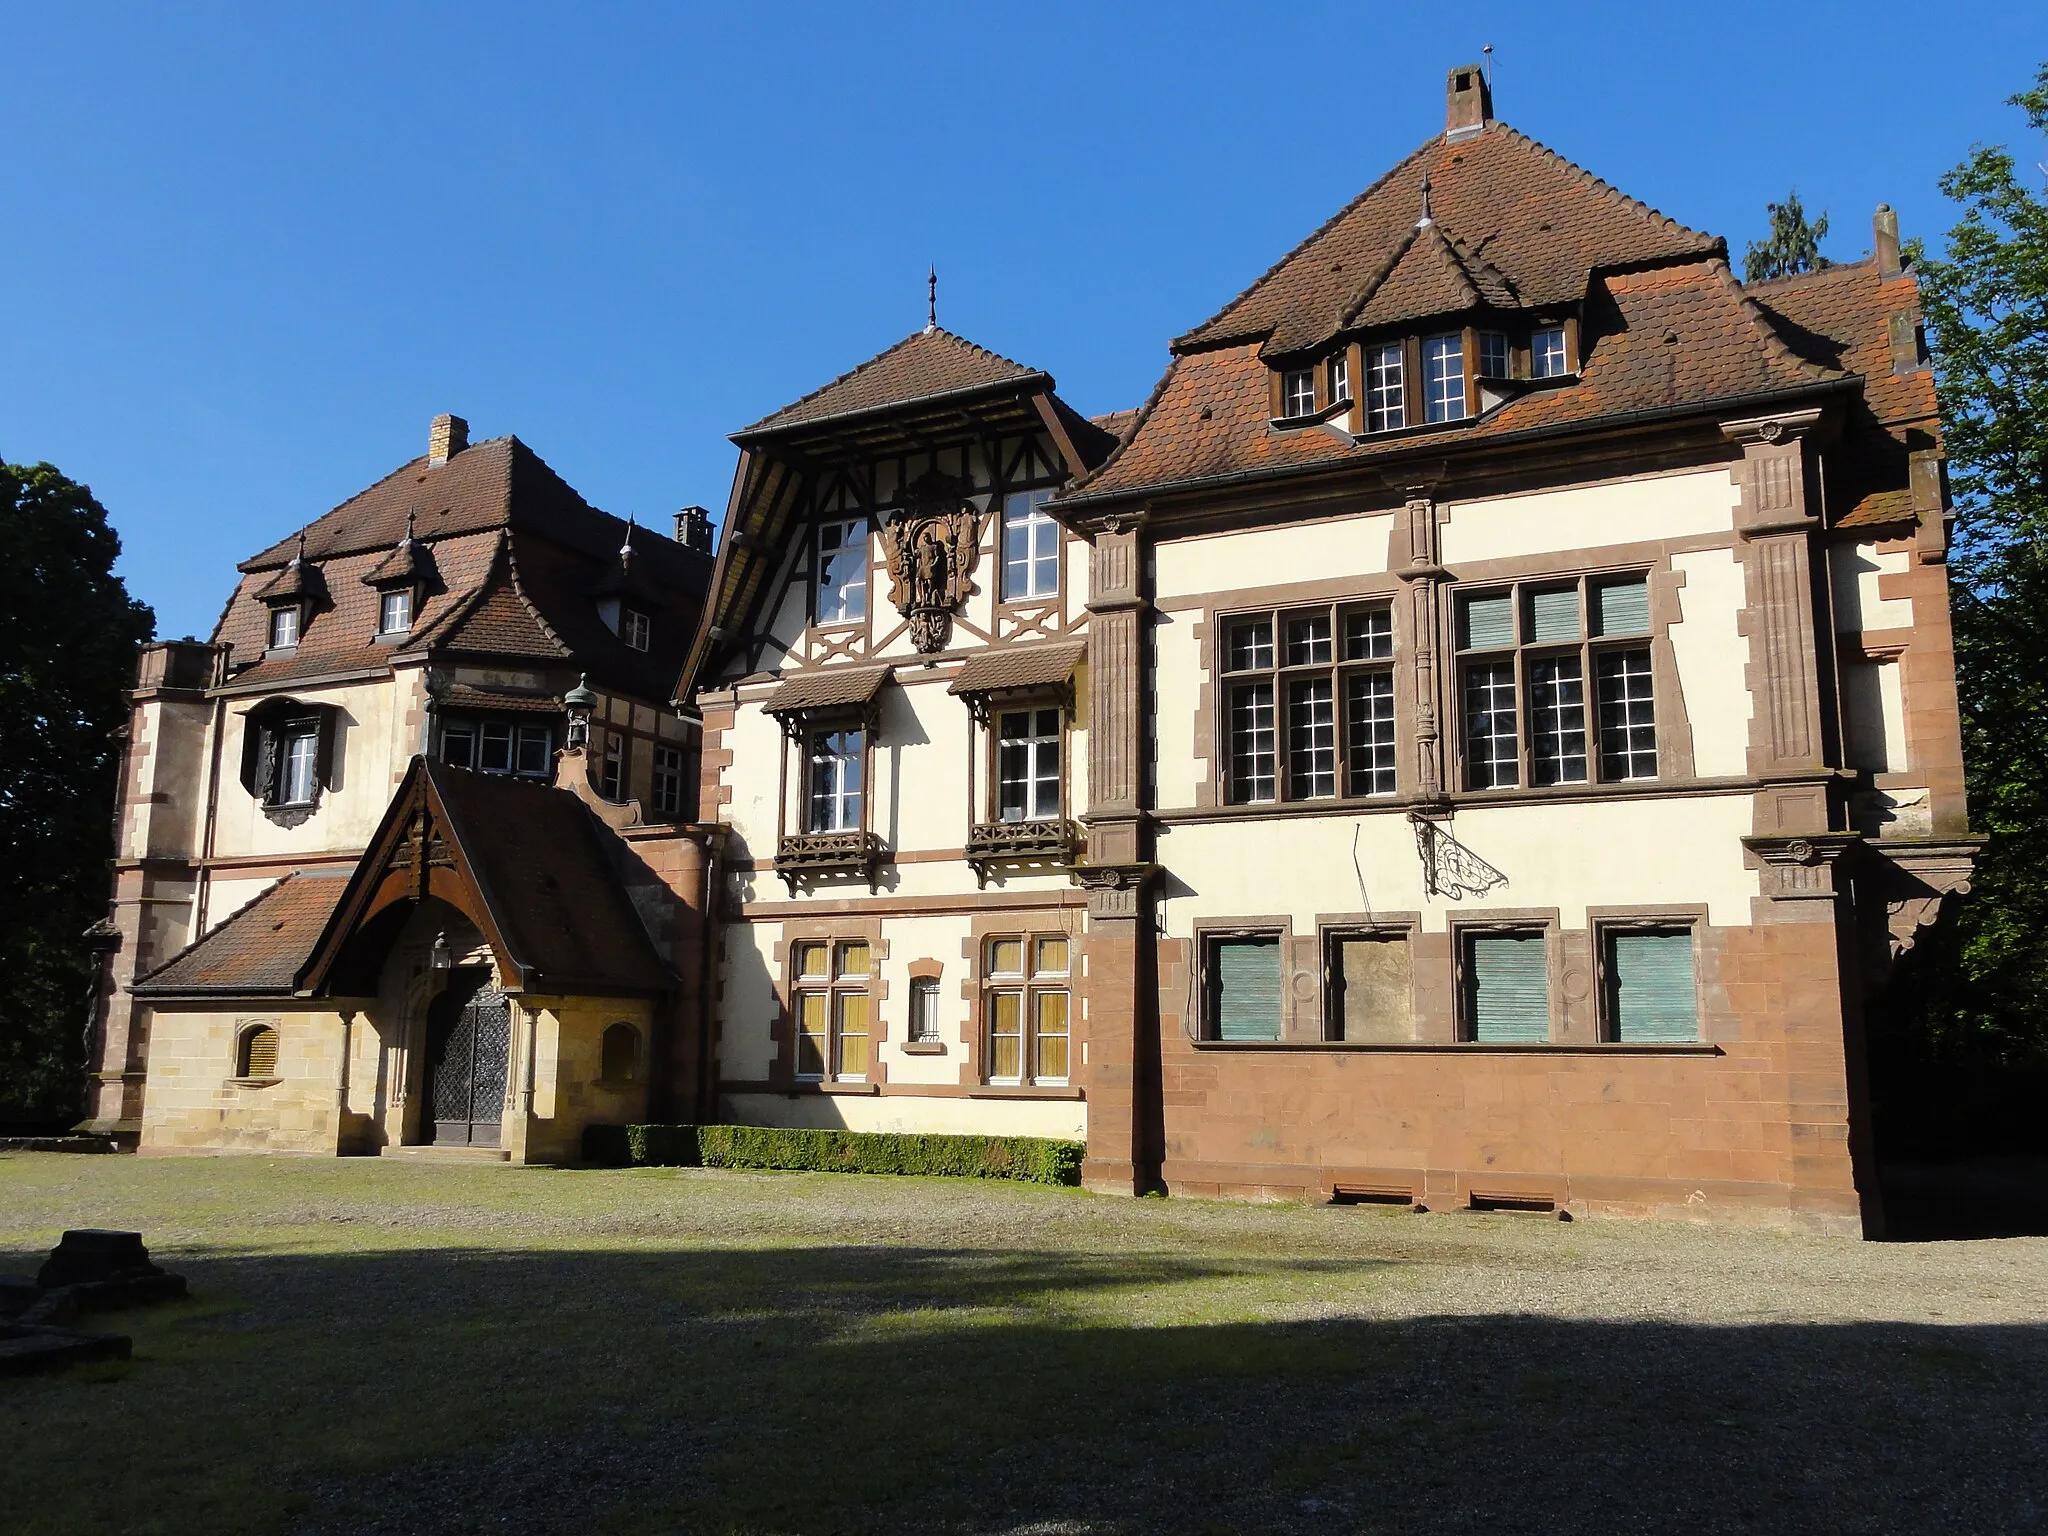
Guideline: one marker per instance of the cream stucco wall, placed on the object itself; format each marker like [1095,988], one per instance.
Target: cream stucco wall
[1062,1119]
[1178,680]
[1621,852]
[1854,571]
[1713,657]
[1303,552]
[1590,516]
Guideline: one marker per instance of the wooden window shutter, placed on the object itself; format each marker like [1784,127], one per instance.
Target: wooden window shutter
[1247,989]
[1623,608]
[1650,977]
[259,1053]
[1507,985]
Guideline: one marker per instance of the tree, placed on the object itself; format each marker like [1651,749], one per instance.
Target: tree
[68,633]
[1793,246]
[1963,1062]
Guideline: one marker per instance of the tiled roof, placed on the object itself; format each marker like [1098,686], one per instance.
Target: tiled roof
[1657,338]
[511,559]
[1117,423]
[827,687]
[925,363]
[1524,226]
[260,950]
[1839,317]
[1019,666]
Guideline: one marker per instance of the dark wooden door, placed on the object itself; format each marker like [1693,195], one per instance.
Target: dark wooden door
[469,1046]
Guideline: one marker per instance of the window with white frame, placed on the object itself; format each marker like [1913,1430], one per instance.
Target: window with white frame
[668,781]
[1547,356]
[1526,652]
[829,998]
[298,777]
[394,611]
[1028,1006]
[842,580]
[1386,406]
[499,746]
[611,769]
[1028,764]
[1298,392]
[283,750]
[1443,378]
[833,780]
[1340,377]
[1310,703]
[1031,547]
[1493,355]
[635,628]
[284,627]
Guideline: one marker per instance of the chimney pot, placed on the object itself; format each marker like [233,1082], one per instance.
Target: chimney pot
[693,529]
[447,437]
[1885,240]
[1468,102]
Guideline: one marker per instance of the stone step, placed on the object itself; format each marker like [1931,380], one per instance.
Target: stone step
[449,1154]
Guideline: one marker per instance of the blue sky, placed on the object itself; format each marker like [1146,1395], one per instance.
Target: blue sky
[250,250]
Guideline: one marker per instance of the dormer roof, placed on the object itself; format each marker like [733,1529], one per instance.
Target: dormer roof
[1517,223]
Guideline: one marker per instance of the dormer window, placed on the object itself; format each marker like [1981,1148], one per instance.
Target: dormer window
[1493,355]
[284,627]
[1340,377]
[1443,378]
[394,611]
[1548,358]
[1385,397]
[1298,392]
[635,628]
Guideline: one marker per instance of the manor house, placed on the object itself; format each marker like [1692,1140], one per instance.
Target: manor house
[1479,734]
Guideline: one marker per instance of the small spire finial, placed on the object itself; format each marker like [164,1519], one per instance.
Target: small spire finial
[408,527]
[931,299]
[299,555]
[626,545]
[1425,219]
[1488,51]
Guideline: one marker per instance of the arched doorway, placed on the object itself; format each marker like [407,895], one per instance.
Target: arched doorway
[469,1045]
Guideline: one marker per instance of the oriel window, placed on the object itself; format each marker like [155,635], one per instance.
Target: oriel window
[1031,547]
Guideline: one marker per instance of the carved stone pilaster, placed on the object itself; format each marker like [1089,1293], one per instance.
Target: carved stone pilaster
[1116,605]
[1777,525]
[1422,680]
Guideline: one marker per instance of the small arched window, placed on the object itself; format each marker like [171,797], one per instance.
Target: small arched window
[620,1060]
[256,1052]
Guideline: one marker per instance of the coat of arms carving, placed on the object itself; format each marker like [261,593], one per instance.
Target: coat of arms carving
[932,543]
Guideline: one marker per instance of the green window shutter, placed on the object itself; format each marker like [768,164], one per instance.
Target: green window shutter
[1508,987]
[1554,615]
[1487,623]
[1623,608]
[1247,989]
[1652,981]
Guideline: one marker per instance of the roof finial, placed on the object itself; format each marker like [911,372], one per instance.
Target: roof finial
[931,299]
[1488,51]
[299,555]
[1425,219]
[408,528]
[626,547]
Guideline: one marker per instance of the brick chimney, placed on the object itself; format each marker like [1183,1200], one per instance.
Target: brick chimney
[693,529]
[447,437]
[1884,229]
[1468,102]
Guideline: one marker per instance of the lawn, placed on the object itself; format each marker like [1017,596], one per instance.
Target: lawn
[388,1347]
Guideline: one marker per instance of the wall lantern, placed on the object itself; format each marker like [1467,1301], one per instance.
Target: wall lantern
[441,959]
[579,701]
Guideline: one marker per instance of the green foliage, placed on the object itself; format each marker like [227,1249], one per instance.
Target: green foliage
[1034,1159]
[68,632]
[1792,247]
[1964,1061]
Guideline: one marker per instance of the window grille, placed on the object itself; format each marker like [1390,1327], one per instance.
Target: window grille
[256,1055]
[924,1009]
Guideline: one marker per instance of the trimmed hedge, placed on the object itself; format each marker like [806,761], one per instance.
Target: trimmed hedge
[1032,1158]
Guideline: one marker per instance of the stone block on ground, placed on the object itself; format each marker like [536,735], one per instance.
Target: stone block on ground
[26,1349]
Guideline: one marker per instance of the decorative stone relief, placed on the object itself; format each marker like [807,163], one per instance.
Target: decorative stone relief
[932,544]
